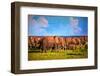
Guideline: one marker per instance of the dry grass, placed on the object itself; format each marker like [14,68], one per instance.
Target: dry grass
[62,54]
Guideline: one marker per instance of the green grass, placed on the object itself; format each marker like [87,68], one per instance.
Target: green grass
[62,54]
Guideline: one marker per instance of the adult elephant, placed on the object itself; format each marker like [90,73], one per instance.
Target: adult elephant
[56,43]
[29,43]
[62,43]
[47,43]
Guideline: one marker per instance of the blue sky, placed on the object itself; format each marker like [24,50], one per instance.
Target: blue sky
[57,25]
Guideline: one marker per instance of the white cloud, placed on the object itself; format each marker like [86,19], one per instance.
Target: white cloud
[74,23]
[43,21]
[38,26]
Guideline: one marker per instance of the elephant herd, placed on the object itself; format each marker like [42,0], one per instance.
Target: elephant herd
[54,43]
